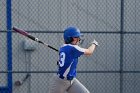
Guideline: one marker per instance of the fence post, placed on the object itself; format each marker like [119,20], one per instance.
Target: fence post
[121,44]
[9,45]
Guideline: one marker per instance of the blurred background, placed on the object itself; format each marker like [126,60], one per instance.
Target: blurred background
[115,24]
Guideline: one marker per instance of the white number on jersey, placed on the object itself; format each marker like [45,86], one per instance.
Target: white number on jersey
[62,59]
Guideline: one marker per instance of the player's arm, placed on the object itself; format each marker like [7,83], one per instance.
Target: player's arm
[91,48]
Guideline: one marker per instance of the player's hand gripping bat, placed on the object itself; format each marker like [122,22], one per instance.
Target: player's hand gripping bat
[32,37]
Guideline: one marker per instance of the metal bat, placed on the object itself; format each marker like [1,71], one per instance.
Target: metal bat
[20,82]
[32,37]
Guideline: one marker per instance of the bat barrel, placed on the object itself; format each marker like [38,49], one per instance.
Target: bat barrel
[20,31]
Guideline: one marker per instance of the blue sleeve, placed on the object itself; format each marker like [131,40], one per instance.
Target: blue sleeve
[78,51]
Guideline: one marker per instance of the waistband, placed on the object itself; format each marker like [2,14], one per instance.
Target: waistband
[65,78]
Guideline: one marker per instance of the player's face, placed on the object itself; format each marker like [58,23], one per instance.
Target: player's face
[76,41]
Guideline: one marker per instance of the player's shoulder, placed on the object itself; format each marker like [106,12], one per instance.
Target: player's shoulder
[69,45]
[66,46]
[73,47]
[78,48]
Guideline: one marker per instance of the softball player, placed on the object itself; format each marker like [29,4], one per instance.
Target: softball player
[65,79]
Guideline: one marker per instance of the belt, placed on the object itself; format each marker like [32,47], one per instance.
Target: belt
[65,78]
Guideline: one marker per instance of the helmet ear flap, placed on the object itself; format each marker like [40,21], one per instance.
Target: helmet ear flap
[69,40]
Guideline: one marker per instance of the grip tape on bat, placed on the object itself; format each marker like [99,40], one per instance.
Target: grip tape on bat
[36,39]
[53,48]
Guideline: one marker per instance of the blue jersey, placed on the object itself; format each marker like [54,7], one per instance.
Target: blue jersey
[68,59]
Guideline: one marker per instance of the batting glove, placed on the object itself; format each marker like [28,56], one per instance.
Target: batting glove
[95,42]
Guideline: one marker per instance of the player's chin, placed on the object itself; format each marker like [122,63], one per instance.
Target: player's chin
[78,43]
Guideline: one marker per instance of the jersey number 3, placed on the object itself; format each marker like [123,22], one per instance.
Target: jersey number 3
[62,59]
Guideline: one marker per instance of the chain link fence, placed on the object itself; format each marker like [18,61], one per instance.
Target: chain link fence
[113,68]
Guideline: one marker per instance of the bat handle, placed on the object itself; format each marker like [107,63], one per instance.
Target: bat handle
[49,46]
[53,48]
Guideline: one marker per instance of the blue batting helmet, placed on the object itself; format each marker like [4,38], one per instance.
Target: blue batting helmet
[71,32]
